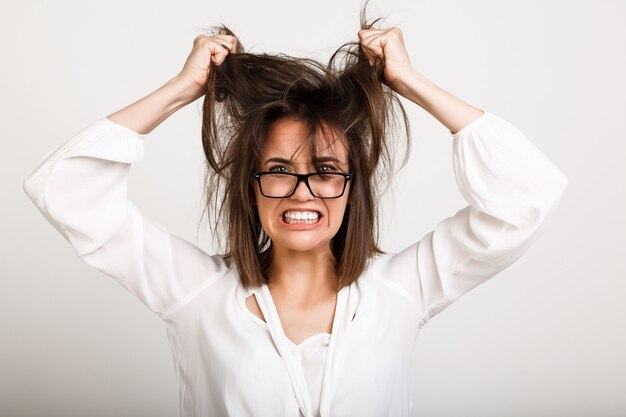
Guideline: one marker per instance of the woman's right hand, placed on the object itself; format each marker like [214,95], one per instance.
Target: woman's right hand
[207,51]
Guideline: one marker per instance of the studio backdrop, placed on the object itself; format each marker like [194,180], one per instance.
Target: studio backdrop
[545,337]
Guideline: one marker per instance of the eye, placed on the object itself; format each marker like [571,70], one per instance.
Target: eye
[330,168]
[275,168]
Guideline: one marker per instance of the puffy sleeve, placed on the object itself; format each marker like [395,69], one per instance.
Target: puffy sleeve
[81,189]
[512,189]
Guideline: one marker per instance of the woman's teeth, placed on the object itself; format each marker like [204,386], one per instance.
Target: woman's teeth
[296,217]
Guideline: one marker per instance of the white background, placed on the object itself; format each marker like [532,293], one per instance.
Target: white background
[543,338]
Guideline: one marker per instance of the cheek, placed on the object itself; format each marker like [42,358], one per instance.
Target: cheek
[338,211]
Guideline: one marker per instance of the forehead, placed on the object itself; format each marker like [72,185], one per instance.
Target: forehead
[288,137]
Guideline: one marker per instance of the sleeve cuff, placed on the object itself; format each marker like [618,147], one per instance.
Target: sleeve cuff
[123,128]
[472,125]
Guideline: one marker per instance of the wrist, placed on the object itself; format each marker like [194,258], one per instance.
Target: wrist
[184,91]
[411,84]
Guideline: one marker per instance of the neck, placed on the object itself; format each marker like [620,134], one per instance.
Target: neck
[305,277]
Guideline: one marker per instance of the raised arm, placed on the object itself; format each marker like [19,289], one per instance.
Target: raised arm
[81,189]
[387,46]
[144,115]
[512,189]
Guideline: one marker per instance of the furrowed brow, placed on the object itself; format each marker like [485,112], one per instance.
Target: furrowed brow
[315,160]
[281,160]
[327,159]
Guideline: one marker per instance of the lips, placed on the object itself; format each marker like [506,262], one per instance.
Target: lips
[312,211]
[302,209]
[301,226]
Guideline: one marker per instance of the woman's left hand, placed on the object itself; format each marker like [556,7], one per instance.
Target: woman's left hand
[388,45]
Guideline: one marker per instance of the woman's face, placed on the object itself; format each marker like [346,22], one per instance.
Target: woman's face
[280,153]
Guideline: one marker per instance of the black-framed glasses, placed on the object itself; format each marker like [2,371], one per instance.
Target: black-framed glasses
[283,184]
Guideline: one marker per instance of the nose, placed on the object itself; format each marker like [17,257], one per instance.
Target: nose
[302,192]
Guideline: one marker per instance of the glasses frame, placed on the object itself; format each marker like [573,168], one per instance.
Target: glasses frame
[303,177]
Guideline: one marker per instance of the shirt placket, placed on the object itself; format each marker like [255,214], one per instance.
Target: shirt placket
[291,359]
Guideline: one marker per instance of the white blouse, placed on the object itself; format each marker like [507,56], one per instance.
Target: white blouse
[228,361]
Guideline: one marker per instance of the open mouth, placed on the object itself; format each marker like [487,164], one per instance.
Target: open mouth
[305,218]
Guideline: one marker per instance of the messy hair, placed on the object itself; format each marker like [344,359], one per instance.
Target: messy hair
[246,94]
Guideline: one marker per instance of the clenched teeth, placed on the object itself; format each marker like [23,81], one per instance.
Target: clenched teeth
[301,215]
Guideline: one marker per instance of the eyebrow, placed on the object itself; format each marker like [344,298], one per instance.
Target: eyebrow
[316,160]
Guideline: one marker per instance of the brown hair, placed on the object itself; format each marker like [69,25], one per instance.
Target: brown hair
[246,94]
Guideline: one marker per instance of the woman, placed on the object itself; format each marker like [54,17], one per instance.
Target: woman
[304,315]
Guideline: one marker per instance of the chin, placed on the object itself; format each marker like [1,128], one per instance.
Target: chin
[302,245]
